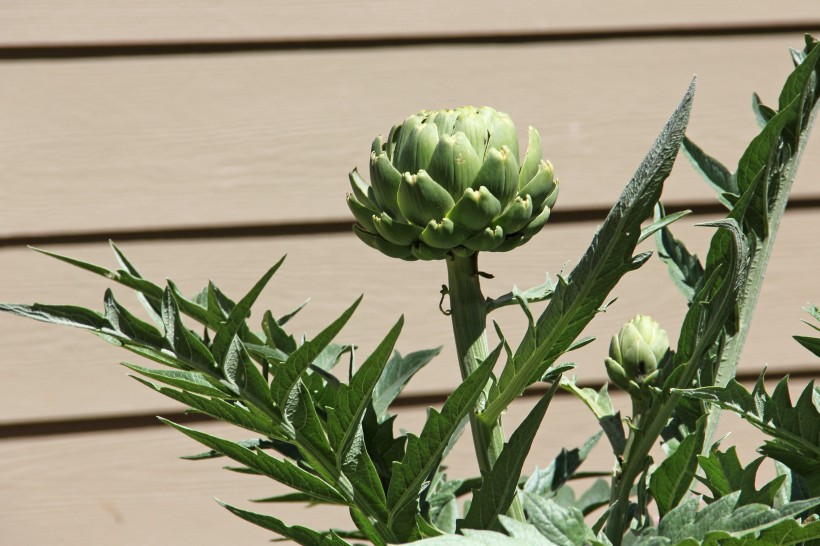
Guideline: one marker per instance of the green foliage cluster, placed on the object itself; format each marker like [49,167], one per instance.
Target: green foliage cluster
[333,441]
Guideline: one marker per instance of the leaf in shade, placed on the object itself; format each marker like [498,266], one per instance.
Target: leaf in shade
[352,400]
[610,256]
[723,474]
[794,430]
[671,479]
[601,406]
[282,471]
[288,374]
[277,338]
[684,268]
[762,112]
[425,451]
[593,498]
[500,485]
[398,371]
[712,171]
[300,535]
[546,481]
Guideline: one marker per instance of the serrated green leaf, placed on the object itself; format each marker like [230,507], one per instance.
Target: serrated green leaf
[352,400]
[223,410]
[561,526]
[288,374]
[182,341]
[296,533]
[66,315]
[500,485]
[149,290]
[282,471]
[794,429]
[227,330]
[425,451]
[128,325]
[151,304]
[190,381]
[399,370]
[243,374]
[723,474]
[724,519]
[670,481]
[609,257]
[810,343]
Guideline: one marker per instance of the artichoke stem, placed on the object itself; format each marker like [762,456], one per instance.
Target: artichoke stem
[468,312]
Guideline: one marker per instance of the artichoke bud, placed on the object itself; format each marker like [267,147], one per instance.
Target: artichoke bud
[532,161]
[516,216]
[499,174]
[444,234]
[489,239]
[421,199]
[636,352]
[450,182]
[362,214]
[541,186]
[395,232]
[476,209]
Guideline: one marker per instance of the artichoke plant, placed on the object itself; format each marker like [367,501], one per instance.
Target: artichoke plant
[450,182]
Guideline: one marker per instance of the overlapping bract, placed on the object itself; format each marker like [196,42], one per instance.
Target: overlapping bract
[449,181]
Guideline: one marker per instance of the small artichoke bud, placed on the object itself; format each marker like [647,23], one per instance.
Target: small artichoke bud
[636,352]
[452,182]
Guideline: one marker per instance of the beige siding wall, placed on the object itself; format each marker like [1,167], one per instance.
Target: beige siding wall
[113,127]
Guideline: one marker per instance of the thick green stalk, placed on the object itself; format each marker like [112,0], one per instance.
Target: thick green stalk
[468,312]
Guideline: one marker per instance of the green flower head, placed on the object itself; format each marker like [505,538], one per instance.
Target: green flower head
[450,181]
[636,352]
